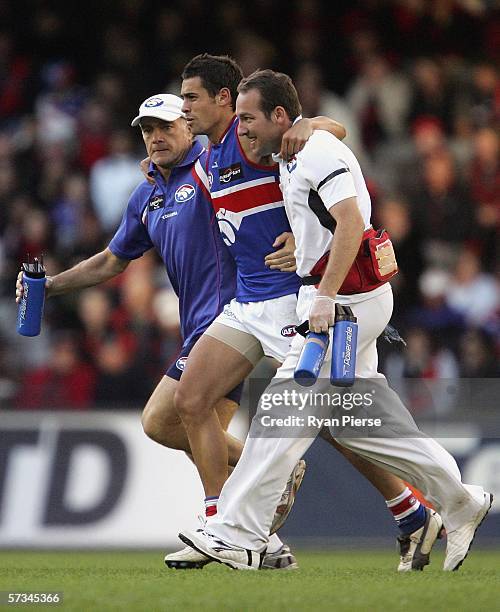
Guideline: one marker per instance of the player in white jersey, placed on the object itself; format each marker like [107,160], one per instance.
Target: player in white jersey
[261,319]
[329,211]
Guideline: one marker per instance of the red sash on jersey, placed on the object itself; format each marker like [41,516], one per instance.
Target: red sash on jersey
[374,265]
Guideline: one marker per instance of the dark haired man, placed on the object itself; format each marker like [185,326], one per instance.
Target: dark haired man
[209,84]
[329,207]
[260,321]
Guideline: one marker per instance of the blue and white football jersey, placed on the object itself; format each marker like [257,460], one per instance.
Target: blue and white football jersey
[251,214]
[176,217]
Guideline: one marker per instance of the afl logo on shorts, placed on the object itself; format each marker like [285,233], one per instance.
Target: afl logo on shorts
[153,102]
[292,164]
[184,193]
[288,331]
[180,364]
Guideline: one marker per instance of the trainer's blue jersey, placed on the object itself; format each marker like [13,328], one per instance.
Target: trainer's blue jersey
[177,218]
[250,211]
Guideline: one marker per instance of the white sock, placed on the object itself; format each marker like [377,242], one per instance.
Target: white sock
[274,543]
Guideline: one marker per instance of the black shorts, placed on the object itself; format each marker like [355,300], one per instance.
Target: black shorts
[177,367]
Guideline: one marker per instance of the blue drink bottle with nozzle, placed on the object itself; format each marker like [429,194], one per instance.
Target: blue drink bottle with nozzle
[345,337]
[311,359]
[29,315]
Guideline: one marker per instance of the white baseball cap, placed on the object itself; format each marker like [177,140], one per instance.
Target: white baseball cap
[161,106]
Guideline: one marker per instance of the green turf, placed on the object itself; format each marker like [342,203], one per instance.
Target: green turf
[350,581]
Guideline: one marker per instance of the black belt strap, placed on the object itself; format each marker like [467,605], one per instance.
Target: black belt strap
[312,280]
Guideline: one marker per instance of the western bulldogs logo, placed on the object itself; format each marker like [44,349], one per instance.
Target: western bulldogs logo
[152,102]
[180,364]
[184,193]
[229,224]
[228,232]
[288,331]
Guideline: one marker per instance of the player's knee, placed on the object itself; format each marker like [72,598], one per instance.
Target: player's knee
[190,406]
[166,434]
[150,425]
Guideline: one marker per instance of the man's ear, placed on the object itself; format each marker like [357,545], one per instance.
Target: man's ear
[223,98]
[280,115]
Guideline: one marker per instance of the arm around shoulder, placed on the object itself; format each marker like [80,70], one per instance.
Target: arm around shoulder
[329,125]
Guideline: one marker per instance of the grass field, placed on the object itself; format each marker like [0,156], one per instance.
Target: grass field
[341,580]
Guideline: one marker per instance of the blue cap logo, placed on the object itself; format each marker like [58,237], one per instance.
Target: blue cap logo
[152,102]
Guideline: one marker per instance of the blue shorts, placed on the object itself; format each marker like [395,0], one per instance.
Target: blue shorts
[177,367]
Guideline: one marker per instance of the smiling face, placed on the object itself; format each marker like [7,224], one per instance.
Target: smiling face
[200,108]
[264,133]
[167,142]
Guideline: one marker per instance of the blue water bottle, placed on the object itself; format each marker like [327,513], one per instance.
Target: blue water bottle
[345,339]
[29,315]
[311,359]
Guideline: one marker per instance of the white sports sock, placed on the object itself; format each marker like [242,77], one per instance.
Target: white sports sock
[274,543]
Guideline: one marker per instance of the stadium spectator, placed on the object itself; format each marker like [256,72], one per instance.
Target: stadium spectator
[120,353]
[394,215]
[317,100]
[67,212]
[379,97]
[93,133]
[17,80]
[484,178]
[66,382]
[482,98]
[477,356]
[471,292]
[422,359]
[113,178]
[432,313]
[442,209]
[57,108]
[431,96]
[252,51]
[398,165]
[102,322]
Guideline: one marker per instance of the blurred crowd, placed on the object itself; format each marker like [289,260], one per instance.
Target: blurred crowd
[415,82]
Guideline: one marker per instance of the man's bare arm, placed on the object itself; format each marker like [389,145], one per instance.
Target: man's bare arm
[329,125]
[345,246]
[296,137]
[92,271]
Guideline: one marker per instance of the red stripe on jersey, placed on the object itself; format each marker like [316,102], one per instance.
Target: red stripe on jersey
[200,182]
[245,199]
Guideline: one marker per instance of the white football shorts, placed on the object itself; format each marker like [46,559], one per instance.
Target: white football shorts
[270,324]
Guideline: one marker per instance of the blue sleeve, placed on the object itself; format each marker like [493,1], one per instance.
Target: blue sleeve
[131,239]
